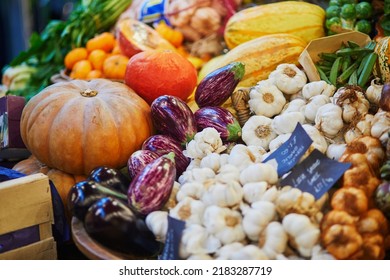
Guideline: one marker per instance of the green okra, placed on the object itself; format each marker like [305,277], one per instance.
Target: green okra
[335,71]
[367,69]
[347,61]
[353,79]
[331,57]
[352,45]
[322,75]
[347,73]
[352,52]
[363,62]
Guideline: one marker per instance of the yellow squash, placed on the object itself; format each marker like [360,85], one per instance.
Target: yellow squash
[293,17]
[262,55]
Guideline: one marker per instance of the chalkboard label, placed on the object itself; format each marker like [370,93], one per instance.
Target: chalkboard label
[291,151]
[316,174]
[173,238]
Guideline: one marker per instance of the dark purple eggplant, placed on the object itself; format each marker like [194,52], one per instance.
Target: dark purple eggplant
[138,160]
[85,193]
[110,178]
[172,116]
[164,144]
[151,188]
[113,224]
[219,85]
[382,198]
[221,119]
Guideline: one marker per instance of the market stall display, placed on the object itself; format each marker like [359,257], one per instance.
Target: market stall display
[244,137]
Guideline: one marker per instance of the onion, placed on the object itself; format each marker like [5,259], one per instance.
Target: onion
[384,102]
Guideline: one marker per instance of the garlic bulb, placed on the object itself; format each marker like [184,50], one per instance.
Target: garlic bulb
[224,223]
[228,173]
[318,88]
[273,240]
[352,101]
[319,141]
[205,142]
[374,91]
[249,252]
[381,125]
[266,100]
[259,172]
[335,151]
[329,120]
[196,240]
[241,155]
[196,175]
[222,194]
[189,210]
[254,191]
[157,223]
[286,122]
[303,234]
[295,105]
[362,127]
[278,141]
[258,131]
[288,78]
[313,105]
[257,218]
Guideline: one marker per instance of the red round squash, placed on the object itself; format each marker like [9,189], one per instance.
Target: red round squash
[78,125]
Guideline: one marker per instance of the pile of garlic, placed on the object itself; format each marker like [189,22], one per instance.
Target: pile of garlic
[332,117]
[234,208]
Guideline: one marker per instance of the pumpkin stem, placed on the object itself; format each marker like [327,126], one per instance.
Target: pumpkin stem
[89,93]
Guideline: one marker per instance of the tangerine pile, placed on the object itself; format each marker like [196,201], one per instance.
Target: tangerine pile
[100,58]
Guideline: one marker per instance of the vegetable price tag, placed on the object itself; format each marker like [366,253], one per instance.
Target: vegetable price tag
[316,174]
[153,11]
[289,153]
[172,241]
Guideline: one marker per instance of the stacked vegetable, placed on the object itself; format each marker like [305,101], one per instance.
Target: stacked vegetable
[344,15]
[48,49]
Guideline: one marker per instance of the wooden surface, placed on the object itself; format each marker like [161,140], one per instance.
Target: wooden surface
[41,250]
[25,202]
[92,249]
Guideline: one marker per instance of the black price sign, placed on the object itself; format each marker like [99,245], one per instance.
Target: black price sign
[316,174]
[172,241]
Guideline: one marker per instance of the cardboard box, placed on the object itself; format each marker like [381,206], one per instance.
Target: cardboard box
[11,144]
[327,44]
[26,207]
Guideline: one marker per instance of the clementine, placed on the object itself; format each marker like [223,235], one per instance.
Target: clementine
[114,66]
[75,55]
[81,69]
[97,57]
[154,73]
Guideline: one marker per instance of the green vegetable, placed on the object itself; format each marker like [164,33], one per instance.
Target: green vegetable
[348,12]
[343,2]
[334,71]
[367,70]
[363,26]
[334,3]
[48,49]
[364,10]
[333,11]
[333,23]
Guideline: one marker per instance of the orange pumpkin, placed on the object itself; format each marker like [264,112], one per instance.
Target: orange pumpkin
[61,180]
[78,125]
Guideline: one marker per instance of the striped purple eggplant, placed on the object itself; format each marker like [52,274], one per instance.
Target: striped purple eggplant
[172,116]
[138,160]
[221,119]
[152,186]
[219,85]
[163,144]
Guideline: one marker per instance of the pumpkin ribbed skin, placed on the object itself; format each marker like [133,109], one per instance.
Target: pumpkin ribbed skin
[302,19]
[74,133]
[262,55]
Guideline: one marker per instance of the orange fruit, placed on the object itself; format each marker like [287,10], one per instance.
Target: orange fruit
[81,69]
[97,57]
[94,74]
[116,49]
[114,67]
[104,41]
[74,56]
[154,73]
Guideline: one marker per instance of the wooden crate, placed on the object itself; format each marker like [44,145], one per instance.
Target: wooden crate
[26,202]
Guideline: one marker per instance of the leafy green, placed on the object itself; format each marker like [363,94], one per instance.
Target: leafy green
[48,49]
